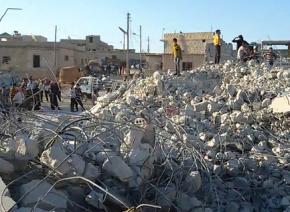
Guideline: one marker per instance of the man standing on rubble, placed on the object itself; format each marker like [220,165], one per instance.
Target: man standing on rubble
[217,45]
[177,55]
[270,57]
[239,40]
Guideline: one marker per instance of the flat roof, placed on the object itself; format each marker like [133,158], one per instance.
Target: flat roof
[276,42]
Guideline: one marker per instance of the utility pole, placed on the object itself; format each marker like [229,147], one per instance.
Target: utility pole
[54,48]
[140,66]
[148,45]
[124,41]
[128,46]
[163,40]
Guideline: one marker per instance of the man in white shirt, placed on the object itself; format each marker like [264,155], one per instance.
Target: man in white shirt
[242,52]
[18,97]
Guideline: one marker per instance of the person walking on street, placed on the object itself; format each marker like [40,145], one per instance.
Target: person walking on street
[177,56]
[19,97]
[217,45]
[46,89]
[78,93]
[73,102]
[41,89]
[54,90]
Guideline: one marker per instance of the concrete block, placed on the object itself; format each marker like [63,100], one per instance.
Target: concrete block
[6,167]
[54,199]
[116,167]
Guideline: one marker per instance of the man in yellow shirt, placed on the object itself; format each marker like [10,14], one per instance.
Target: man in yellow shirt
[217,45]
[177,55]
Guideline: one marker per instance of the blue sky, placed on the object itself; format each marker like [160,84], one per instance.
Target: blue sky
[256,19]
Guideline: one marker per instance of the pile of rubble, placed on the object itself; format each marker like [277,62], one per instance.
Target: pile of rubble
[206,141]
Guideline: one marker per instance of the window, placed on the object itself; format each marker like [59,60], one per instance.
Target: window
[186,66]
[6,60]
[91,39]
[66,58]
[36,61]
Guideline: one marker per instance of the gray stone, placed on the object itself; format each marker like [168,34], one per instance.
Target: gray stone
[53,200]
[232,167]
[232,207]
[185,202]
[72,166]
[231,89]
[285,202]
[193,181]
[7,201]
[26,209]
[6,167]
[202,106]
[266,102]
[116,167]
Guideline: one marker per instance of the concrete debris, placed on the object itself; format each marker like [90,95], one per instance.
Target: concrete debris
[52,200]
[7,203]
[116,167]
[214,139]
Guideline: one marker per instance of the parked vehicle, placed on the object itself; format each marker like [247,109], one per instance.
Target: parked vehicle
[89,86]
[92,85]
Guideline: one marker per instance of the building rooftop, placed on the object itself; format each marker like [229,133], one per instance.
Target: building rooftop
[276,42]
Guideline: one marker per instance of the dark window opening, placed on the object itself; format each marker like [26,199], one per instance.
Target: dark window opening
[186,66]
[91,39]
[66,58]
[6,60]
[203,41]
[36,61]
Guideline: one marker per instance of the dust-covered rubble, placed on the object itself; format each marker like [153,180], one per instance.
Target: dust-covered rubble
[210,140]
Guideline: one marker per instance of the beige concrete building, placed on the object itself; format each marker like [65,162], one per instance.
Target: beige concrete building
[37,58]
[197,48]
[98,50]
[153,61]
[32,55]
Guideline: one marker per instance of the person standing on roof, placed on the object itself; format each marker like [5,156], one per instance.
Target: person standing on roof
[217,44]
[177,56]
[239,40]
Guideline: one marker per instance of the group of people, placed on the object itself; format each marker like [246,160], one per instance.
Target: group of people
[30,94]
[245,51]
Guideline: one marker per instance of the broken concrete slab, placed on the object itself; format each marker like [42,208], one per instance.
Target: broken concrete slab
[116,167]
[36,190]
[281,104]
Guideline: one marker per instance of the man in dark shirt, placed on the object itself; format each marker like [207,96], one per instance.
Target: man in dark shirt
[54,92]
[239,40]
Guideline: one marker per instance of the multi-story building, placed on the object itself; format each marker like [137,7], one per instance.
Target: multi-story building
[197,48]
[33,55]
